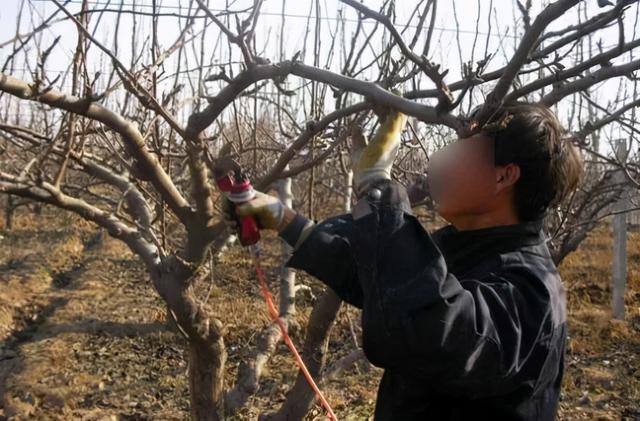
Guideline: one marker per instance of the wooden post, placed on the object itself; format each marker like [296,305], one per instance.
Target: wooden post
[619,240]
[348,190]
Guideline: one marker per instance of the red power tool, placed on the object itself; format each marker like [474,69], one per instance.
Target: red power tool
[237,187]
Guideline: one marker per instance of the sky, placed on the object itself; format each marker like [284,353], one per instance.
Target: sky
[448,47]
[296,20]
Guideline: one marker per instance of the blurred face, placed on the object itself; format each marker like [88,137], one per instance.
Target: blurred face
[463,179]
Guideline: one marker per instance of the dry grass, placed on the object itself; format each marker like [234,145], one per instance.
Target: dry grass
[99,348]
[89,339]
[603,361]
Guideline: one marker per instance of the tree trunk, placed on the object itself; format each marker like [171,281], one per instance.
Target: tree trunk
[206,380]
[207,354]
[8,213]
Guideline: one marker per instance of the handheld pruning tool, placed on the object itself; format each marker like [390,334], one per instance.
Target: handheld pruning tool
[237,187]
[232,181]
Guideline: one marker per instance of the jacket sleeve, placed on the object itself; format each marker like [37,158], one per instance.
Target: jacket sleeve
[470,335]
[324,251]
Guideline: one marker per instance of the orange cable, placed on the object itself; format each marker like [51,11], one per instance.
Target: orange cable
[273,312]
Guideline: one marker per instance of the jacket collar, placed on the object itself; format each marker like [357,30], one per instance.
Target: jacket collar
[464,249]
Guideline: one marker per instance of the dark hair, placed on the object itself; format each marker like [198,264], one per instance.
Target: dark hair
[530,136]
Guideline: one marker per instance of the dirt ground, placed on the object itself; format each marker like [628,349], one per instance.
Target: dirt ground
[83,335]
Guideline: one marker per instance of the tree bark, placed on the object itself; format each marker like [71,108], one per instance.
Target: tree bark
[207,353]
[206,380]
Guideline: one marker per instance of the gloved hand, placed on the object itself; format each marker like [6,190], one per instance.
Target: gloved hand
[373,161]
[269,211]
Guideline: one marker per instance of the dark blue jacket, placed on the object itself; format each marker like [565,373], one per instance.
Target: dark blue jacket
[467,325]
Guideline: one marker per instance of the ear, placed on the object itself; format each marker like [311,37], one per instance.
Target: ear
[506,176]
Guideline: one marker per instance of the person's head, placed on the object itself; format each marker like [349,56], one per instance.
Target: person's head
[519,164]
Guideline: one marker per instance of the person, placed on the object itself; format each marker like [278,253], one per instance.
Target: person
[468,322]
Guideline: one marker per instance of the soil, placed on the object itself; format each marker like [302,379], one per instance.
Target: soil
[84,336]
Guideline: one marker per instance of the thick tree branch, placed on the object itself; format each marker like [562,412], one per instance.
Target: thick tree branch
[589,80]
[373,92]
[48,193]
[585,28]
[563,75]
[131,136]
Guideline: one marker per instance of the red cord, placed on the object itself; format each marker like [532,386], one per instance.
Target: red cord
[273,312]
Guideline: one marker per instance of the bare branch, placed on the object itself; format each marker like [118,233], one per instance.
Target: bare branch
[130,135]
